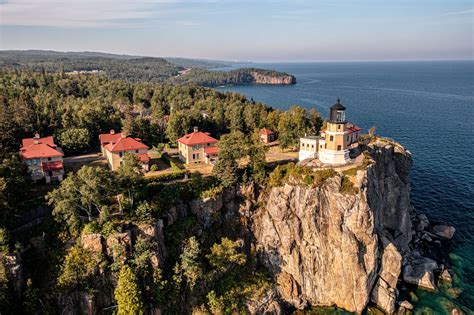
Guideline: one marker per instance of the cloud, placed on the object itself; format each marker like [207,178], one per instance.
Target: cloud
[467,11]
[81,13]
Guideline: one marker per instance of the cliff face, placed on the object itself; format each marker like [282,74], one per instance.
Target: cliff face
[326,247]
[260,78]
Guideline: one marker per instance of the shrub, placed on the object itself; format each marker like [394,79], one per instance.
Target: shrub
[347,187]
[143,213]
[154,168]
[168,176]
[299,174]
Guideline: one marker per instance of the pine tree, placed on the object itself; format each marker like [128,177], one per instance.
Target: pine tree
[127,293]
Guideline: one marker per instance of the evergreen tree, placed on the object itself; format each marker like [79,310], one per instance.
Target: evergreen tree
[127,293]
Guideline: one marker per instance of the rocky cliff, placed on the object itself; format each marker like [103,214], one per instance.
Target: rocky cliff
[332,248]
[262,78]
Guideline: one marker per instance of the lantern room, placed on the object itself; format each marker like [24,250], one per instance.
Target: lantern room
[337,113]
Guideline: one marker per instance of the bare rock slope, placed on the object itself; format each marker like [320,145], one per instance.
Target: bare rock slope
[333,248]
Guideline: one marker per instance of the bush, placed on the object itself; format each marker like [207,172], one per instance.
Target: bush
[298,174]
[143,213]
[154,168]
[167,176]
[174,166]
[347,187]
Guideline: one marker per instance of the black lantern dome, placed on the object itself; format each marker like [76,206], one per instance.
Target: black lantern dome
[337,113]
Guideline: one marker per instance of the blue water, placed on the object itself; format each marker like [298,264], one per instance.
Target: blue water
[426,106]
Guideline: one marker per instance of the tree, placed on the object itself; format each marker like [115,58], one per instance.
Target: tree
[127,293]
[14,184]
[75,139]
[293,124]
[232,147]
[130,177]
[78,269]
[257,154]
[178,125]
[86,193]
[189,262]
[225,255]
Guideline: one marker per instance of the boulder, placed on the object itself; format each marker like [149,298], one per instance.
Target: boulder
[444,231]
[419,271]
[456,311]
[406,305]
[385,293]
[445,276]
[422,222]
[268,303]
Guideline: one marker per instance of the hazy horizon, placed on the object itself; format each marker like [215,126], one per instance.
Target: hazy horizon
[257,31]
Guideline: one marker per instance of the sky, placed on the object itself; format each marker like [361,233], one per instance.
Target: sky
[245,30]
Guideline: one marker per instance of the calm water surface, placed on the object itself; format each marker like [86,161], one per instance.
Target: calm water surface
[426,106]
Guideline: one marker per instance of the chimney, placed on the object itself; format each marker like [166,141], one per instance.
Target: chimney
[112,132]
[196,129]
[36,138]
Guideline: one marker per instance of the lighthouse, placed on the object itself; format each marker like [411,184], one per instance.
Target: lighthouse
[334,145]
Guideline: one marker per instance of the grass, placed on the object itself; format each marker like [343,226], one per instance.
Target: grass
[299,175]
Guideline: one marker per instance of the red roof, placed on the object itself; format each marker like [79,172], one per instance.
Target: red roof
[266,132]
[125,144]
[106,138]
[53,166]
[29,141]
[211,150]
[197,137]
[143,157]
[353,129]
[43,148]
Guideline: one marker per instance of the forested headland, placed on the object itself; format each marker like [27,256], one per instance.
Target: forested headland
[139,69]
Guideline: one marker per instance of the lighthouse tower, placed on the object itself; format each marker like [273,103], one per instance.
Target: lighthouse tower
[334,147]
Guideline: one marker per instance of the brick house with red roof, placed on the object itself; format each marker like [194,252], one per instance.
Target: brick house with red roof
[198,147]
[115,145]
[43,157]
[267,135]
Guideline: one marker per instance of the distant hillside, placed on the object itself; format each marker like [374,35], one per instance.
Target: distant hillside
[139,69]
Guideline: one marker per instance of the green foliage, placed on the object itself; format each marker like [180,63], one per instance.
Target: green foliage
[4,241]
[143,213]
[74,140]
[168,176]
[78,269]
[298,175]
[347,186]
[295,123]
[4,293]
[31,301]
[142,252]
[14,185]
[127,293]
[174,166]
[217,78]
[232,148]
[154,168]
[223,256]
[190,265]
[85,193]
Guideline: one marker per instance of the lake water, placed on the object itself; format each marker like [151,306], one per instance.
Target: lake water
[426,106]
